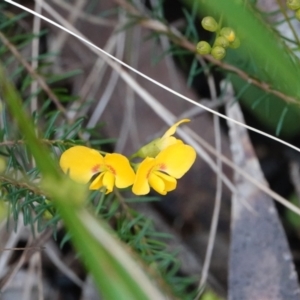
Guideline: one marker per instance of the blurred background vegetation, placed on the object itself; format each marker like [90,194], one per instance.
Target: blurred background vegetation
[59,241]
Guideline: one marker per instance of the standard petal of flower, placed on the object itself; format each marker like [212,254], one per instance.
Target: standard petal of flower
[173,128]
[119,166]
[141,184]
[176,160]
[81,163]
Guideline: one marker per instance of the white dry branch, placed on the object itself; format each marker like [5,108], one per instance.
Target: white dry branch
[35,53]
[218,196]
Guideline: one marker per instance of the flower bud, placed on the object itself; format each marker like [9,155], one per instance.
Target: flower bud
[218,52]
[209,24]
[297,14]
[235,44]
[221,41]
[228,33]
[149,150]
[203,48]
[293,4]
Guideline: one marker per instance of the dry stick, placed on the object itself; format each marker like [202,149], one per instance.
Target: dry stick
[87,17]
[24,258]
[30,280]
[217,206]
[127,78]
[34,262]
[104,100]
[10,243]
[180,40]
[40,276]
[33,73]
[169,61]
[294,172]
[21,248]
[61,265]
[34,55]
[13,270]
[128,125]
[34,64]
[90,86]
[62,37]
[196,111]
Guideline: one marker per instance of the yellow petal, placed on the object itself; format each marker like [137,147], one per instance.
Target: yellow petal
[173,128]
[168,141]
[104,180]
[157,184]
[176,160]
[141,184]
[97,183]
[170,182]
[81,163]
[108,181]
[119,166]
[162,183]
[231,36]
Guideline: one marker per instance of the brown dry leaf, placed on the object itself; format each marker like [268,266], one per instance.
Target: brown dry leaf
[261,264]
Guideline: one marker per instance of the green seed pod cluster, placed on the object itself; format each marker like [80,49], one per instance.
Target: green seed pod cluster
[294,5]
[225,37]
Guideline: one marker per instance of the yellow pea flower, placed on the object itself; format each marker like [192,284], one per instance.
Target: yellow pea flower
[81,163]
[157,145]
[161,172]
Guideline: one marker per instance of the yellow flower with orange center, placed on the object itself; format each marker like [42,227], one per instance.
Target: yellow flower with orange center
[161,172]
[82,163]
